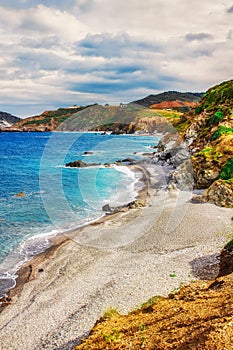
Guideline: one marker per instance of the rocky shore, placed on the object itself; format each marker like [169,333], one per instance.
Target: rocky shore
[119,262]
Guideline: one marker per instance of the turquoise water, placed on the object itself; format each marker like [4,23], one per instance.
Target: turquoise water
[57,198]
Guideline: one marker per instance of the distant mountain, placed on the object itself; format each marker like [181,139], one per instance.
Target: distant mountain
[7,120]
[170,99]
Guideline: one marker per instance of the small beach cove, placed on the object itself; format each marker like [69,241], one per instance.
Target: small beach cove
[34,174]
[91,271]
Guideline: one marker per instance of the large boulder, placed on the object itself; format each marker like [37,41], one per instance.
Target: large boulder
[220,193]
[171,150]
[182,177]
[181,156]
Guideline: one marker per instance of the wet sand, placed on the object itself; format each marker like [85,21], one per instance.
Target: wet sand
[120,262]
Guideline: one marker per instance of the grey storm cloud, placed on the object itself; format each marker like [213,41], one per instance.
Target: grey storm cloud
[230,10]
[109,45]
[198,36]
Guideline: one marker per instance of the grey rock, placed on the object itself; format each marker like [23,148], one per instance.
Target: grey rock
[180,157]
[80,164]
[182,178]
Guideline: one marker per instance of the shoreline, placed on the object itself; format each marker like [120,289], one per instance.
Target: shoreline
[26,272]
[120,261]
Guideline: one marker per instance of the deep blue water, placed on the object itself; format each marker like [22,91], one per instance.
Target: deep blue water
[57,198]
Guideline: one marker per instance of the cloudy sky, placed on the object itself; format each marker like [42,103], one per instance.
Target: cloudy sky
[58,53]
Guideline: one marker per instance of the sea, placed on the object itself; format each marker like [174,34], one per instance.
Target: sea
[41,198]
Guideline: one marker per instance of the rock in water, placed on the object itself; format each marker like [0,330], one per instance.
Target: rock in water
[20,194]
[76,164]
[107,208]
[80,164]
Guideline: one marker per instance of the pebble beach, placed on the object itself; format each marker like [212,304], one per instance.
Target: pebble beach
[118,262]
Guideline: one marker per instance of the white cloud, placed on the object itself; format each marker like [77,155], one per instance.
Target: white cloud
[84,51]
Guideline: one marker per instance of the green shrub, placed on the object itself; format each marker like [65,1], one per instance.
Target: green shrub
[227,171]
[219,95]
[216,118]
[229,244]
[198,109]
[222,130]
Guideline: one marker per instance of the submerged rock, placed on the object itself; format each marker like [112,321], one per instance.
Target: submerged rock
[88,153]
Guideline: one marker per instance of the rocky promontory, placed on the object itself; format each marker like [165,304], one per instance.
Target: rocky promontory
[201,151]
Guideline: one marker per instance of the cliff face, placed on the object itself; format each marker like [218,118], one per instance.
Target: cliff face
[208,130]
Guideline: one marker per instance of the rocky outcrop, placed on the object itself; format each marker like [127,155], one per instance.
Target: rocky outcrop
[136,204]
[226,260]
[182,178]
[220,193]
[80,164]
[172,151]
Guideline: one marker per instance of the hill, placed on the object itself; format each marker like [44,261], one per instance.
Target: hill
[181,100]
[111,118]
[7,119]
[47,121]
[119,119]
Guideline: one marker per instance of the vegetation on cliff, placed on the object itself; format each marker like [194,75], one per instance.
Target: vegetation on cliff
[47,121]
[198,316]
[208,129]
